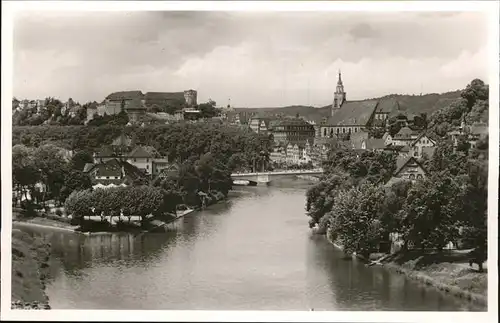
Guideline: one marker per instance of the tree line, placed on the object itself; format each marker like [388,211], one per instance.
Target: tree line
[205,155]
[357,204]
[234,146]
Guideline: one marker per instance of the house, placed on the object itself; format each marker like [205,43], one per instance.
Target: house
[477,132]
[421,142]
[471,133]
[373,144]
[409,168]
[142,158]
[292,154]
[113,172]
[387,138]
[278,155]
[258,125]
[404,137]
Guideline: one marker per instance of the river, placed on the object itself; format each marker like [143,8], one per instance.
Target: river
[254,252]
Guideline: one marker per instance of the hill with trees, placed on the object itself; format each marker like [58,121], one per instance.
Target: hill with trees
[409,104]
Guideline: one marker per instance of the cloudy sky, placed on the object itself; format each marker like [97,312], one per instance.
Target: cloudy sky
[254,59]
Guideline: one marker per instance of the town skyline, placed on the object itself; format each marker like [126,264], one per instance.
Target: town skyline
[258,59]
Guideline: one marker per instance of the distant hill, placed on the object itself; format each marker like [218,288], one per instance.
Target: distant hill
[409,105]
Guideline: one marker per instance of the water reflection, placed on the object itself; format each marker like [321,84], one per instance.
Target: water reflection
[252,253]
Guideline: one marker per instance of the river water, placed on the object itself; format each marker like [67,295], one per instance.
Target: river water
[254,252]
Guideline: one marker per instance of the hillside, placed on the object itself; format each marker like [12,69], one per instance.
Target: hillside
[409,105]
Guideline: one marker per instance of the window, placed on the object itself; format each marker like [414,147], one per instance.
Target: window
[147,166]
[355,129]
[412,176]
[419,176]
[343,130]
[135,160]
[107,177]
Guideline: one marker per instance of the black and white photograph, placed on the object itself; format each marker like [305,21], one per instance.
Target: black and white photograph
[313,163]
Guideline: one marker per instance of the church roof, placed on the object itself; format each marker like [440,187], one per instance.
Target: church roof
[125,95]
[353,113]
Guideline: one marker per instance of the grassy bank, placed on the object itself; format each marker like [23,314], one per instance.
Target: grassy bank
[29,270]
[448,271]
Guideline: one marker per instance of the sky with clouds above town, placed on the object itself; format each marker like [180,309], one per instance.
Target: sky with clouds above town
[256,59]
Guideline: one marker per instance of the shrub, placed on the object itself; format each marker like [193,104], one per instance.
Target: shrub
[59,212]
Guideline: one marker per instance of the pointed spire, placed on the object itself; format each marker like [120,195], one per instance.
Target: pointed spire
[340,77]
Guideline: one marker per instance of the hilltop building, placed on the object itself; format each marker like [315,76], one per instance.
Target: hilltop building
[136,103]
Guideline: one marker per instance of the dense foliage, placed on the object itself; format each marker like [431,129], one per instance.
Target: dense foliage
[356,205]
[48,166]
[135,200]
[232,145]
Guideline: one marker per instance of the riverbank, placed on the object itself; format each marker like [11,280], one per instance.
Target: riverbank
[447,271]
[30,258]
[40,222]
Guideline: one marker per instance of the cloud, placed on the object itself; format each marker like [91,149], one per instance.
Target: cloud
[362,30]
[255,58]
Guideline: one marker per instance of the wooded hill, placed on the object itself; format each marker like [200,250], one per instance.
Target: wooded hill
[409,105]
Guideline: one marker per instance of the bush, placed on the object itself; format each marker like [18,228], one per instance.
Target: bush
[59,212]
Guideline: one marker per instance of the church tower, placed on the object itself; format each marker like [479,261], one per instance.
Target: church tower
[339,95]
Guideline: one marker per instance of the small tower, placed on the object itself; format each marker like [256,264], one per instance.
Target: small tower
[339,95]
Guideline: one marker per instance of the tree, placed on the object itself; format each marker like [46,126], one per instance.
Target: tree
[355,219]
[52,166]
[74,180]
[395,123]
[432,210]
[79,204]
[24,171]
[475,90]
[80,158]
[208,109]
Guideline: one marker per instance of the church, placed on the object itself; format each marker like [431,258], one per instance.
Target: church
[354,116]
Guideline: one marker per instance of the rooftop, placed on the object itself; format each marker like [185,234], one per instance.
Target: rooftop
[125,95]
[353,113]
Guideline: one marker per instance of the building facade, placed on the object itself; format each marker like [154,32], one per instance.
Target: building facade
[295,131]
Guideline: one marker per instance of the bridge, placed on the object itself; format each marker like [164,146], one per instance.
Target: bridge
[267,177]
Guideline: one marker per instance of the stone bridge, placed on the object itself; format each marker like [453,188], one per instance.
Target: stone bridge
[267,177]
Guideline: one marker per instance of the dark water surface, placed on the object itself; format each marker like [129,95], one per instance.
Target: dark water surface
[252,253]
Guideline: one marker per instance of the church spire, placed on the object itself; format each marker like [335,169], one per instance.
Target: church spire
[339,95]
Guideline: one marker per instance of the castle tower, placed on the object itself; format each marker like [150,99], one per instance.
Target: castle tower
[339,95]
[191,97]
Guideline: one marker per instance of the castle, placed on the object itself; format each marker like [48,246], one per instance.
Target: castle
[135,103]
